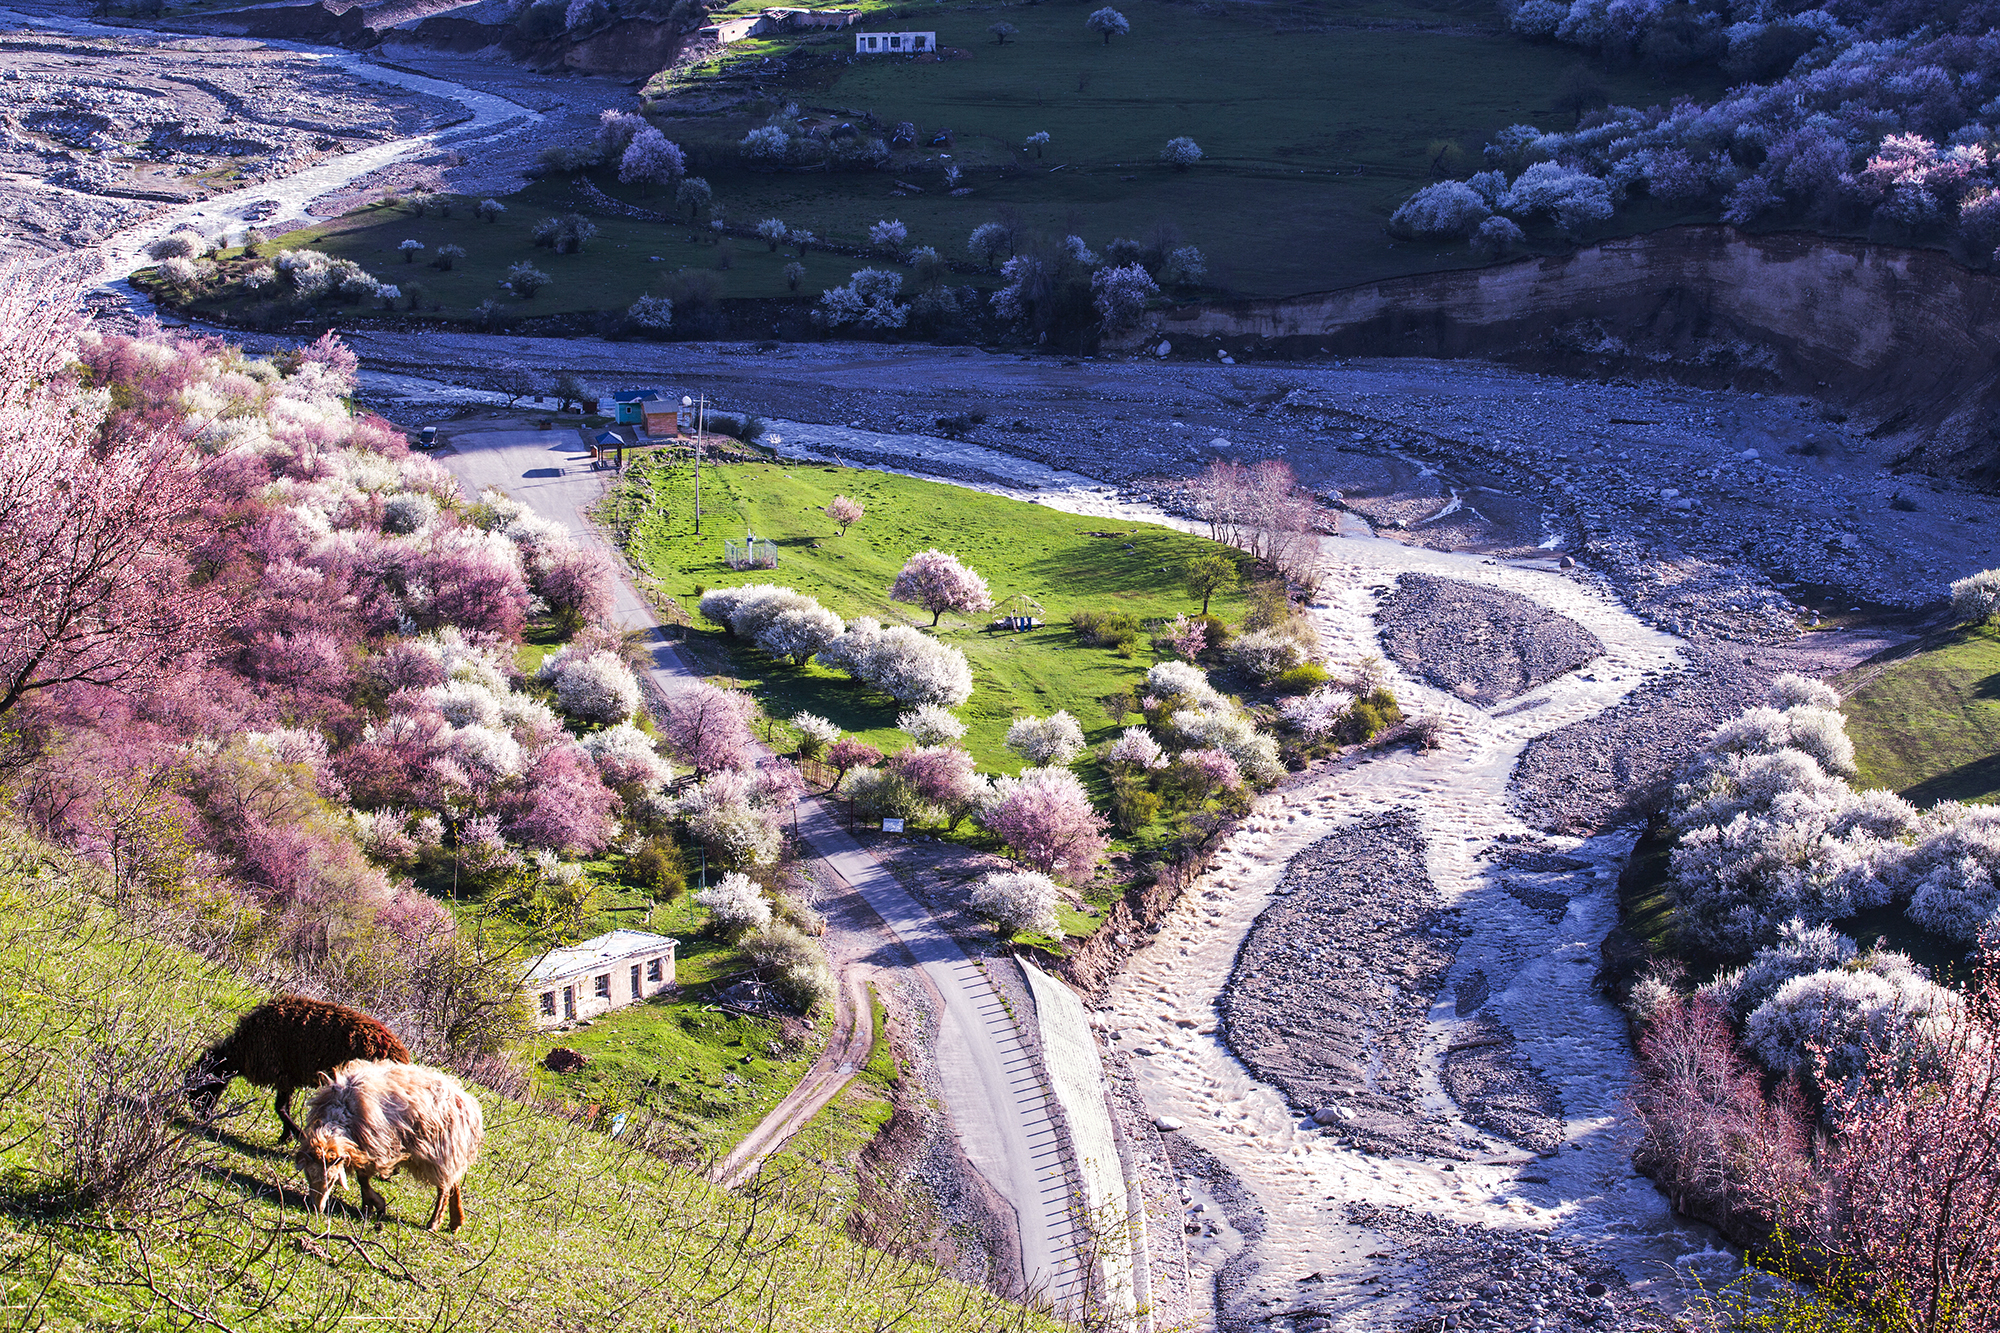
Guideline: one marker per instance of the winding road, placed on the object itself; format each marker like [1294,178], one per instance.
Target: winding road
[993,1088]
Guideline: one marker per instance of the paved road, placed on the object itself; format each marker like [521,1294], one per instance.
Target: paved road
[993,1088]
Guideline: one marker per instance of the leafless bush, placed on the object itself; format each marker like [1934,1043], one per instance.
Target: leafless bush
[118,1125]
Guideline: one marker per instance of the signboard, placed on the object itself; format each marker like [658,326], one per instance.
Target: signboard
[892,826]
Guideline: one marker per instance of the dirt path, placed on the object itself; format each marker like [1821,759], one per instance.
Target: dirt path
[845,1053]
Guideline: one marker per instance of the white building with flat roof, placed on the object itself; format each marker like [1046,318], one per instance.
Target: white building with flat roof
[893,43]
[613,970]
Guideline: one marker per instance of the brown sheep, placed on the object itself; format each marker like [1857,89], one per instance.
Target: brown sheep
[289,1043]
[377,1116]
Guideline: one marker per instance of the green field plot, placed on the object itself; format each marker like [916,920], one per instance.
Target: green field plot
[1037,560]
[1927,724]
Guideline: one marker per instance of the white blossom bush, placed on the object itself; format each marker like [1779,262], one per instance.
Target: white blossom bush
[736,905]
[466,702]
[654,314]
[1317,715]
[1057,739]
[867,300]
[627,756]
[593,688]
[1819,732]
[908,666]
[1185,681]
[1883,1003]
[1447,211]
[1792,690]
[1135,749]
[1265,653]
[748,608]
[1950,874]
[1800,949]
[1017,901]
[815,733]
[1121,295]
[929,724]
[1976,598]
[179,245]
[1229,731]
[408,512]
[1571,198]
[488,750]
[736,821]
[800,633]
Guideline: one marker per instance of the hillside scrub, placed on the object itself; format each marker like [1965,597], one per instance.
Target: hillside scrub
[117,1218]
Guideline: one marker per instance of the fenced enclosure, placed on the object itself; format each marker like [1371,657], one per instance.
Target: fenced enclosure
[750,553]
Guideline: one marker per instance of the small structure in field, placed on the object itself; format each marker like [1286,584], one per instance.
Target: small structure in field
[893,43]
[753,552]
[613,970]
[629,406]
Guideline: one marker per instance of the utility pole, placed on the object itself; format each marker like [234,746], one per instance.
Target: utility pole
[700,421]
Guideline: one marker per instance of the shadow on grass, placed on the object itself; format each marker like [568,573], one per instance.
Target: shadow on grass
[1975,781]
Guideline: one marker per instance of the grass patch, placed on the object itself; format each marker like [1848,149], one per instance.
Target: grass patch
[567,1229]
[1024,550]
[1927,722]
[709,1073]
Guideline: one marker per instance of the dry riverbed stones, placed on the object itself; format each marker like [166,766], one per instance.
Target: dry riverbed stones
[1332,986]
[1485,645]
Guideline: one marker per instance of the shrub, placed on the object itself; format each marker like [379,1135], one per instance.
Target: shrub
[736,817]
[1017,901]
[793,964]
[931,725]
[1497,237]
[597,687]
[736,906]
[941,776]
[1057,739]
[1133,806]
[179,245]
[1836,1023]
[1107,629]
[1185,682]
[625,756]
[1976,598]
[659,868]
[800,633]
[1318,715]
[489,210]
[1181,153]
[1300,679]
[881,793]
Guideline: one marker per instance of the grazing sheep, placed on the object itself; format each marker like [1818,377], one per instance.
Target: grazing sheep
[289,1043]
[377,1116]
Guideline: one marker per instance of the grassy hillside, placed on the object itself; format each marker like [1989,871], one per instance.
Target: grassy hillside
[160,1229]
[1314,124]
[1927,723]
[1021,549]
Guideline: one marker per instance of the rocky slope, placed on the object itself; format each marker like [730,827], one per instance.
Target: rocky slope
[1899,335]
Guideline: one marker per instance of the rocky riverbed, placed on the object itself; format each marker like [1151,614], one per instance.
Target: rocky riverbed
[1486,645]
[1330,993]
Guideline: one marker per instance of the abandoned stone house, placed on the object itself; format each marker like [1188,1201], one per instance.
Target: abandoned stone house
[608,972]
[893,43]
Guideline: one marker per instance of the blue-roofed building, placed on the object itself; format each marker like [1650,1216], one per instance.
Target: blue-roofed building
[629,405]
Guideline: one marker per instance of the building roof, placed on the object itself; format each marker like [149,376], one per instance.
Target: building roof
[610,437]
[636,395]
[593,953]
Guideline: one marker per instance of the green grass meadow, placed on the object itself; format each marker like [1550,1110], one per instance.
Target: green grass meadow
[1927,724]
[1043,557]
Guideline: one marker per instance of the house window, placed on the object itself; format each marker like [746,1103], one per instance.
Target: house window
[548,1004]
[604,986]
[569,1002]
[636,992]
[653,970]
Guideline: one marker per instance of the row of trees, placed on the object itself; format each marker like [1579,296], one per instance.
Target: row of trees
[1260,509]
